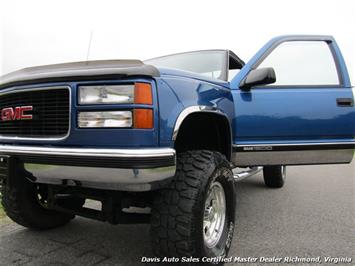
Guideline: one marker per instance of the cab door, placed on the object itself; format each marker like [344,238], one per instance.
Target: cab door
[306,116]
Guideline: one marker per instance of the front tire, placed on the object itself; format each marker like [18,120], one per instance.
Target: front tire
[274,176]
[23,202]
[195,215]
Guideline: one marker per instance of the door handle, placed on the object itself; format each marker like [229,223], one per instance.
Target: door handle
[345,102]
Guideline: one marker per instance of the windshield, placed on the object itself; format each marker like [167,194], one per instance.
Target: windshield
[208,63]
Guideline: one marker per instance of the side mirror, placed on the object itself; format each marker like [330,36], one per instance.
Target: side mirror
[261,76]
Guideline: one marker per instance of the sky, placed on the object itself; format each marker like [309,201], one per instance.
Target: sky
[45,32]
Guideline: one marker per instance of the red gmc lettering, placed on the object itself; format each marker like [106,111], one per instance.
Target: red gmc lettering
[17,113]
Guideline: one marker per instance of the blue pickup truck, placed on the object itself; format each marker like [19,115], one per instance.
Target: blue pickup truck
[157,141]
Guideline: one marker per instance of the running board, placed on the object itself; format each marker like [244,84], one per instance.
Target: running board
[244,174]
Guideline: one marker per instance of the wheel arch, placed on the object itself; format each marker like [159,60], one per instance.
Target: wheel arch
[201,117]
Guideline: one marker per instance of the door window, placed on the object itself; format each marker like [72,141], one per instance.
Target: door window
[301,63]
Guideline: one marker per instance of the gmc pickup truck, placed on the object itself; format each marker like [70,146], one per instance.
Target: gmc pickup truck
[158,141]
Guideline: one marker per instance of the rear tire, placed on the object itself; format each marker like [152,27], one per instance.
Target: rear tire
[23,203]
[274,176]
[187,217]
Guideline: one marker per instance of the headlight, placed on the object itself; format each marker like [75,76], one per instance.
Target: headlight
[139,93]
[112,94]
[105,119]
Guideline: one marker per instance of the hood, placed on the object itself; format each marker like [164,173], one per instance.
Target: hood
[78,71]
[192,75]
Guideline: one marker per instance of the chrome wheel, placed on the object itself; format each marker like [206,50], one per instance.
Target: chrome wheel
[214,215]
[42,196]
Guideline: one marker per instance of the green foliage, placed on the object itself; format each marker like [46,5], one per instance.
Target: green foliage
[2,213]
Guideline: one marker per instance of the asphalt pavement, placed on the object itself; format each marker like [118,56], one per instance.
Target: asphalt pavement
[312,216]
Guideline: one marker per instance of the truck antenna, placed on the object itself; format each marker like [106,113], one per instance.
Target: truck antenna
[88,52]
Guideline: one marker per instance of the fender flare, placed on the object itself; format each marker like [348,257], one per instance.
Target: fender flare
[200,109]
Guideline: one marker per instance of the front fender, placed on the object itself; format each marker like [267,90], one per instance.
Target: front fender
[179,96]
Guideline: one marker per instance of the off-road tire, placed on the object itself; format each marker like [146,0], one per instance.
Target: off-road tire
[21,204]
[177,213]
[274,176]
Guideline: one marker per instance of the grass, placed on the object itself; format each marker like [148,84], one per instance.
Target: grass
[2,212]
[30,166]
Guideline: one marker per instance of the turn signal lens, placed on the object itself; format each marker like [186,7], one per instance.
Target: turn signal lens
[143,93]
[143,118]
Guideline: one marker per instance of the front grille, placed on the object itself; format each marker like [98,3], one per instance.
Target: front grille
[50,114]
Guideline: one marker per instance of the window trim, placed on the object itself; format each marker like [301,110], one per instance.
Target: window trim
[329,42]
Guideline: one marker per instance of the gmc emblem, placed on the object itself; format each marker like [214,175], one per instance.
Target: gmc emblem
[16,113]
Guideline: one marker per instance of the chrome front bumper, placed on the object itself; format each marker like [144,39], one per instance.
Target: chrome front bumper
[115,169]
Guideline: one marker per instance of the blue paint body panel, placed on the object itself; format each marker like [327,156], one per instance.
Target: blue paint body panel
[292,115]
[178,93]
